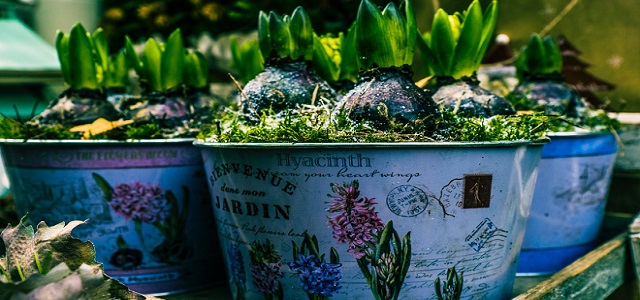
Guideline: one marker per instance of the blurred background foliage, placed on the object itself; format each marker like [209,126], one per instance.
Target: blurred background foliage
[606,32]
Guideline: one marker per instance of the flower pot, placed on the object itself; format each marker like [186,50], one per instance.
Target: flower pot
[569,201]
[145,204]
[321,220]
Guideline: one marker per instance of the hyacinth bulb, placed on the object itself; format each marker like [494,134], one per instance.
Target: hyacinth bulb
[469,99]
[77,107]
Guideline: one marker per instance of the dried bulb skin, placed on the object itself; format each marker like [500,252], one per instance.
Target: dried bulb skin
[77,107]
[551,96]
[387,94]
[468,98]
[284,85]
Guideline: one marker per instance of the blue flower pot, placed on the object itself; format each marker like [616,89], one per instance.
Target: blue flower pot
[569,201]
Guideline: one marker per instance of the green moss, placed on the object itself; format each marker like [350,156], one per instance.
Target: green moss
[321,127]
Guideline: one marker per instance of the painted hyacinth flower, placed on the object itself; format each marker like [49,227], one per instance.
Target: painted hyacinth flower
[142,202]
[265,269]
[355,221]
[317,278]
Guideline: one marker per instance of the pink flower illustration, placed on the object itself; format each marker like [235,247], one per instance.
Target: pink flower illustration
[142,202]
[356,221]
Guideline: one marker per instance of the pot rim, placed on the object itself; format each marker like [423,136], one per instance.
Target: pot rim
[539,142]
[95,142]
[577,133]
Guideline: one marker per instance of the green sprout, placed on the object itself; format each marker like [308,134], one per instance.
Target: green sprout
[457,43]
[334,56]
[117,71]
[160,65]
[284,36]
[196,70]
[246,59]
[82,57]
[541,56]
[385,38]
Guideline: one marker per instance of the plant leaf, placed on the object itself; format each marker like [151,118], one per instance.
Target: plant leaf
[349,56]
[302,35]
[172,61]
[151,61]
[468,42]
[553,58]
[442,42]
[323,63]
[429,59]
[534,60]
[280,35]
[411,27]
[489,20]
[247,59]
[196,70]
[395,26]
[372,46]
[264,35]
[62,47]
[117,74]
[101,53]
[82,62]
[132,56]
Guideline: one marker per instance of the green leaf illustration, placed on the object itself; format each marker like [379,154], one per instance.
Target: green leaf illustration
[106,188]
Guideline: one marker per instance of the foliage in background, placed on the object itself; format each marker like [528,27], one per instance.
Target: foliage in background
[141,19]
[541,56]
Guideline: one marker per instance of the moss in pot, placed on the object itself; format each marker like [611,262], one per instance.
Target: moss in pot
[384,43]
[82,62]
[452,52]
[286,82]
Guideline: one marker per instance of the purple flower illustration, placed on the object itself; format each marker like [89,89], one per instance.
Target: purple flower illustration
[382,256]
[316,277]
[143,202]
[150,204]
[265,269]
[355,221]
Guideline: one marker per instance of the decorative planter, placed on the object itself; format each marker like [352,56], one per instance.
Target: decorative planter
[569,200]
[146,205]
[464,205]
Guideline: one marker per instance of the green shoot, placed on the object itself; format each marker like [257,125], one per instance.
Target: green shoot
[196,70]
[82,57]
[160,65]
[246,59]
[541,56]
[385,38]
[284,36]
[457,43]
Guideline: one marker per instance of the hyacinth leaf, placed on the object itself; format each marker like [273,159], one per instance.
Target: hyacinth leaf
[102,51]
[81,60]
[535,55]
[371,46]
[172,61]
[468,42]
[411,27]
[152,68]
[431,63]
[334,257]
[405,257]
[349,57]
[395,25]
[280,35]
[294,249]
[105,187]
[323,63]
[264,35]
[489,20]
[62,47]
[196,70]
[246,59]
[302,35]
[117,72]
[132,56]
[442,42]
[553,55]
[383,242]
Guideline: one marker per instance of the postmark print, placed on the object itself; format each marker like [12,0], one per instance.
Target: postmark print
[484,234]
[407,201]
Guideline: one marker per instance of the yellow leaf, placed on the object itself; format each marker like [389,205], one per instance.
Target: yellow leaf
[98,126]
